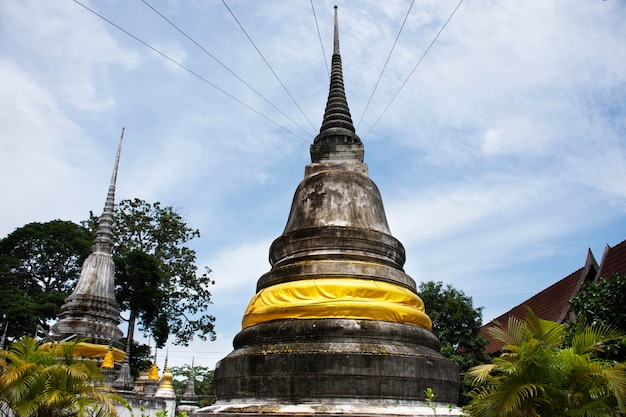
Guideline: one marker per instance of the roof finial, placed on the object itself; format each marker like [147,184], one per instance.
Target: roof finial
[104,232]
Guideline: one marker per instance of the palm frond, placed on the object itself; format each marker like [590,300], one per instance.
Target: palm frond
[593,338]
[479,374]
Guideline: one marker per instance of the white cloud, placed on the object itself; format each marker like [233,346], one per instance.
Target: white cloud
[75,56]
[503,151]
[44,154]
[239,267]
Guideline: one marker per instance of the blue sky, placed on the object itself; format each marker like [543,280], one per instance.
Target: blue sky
[500,162]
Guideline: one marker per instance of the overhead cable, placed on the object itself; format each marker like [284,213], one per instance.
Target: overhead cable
[385,66]
[319,35]
[195,74]
[222,64]
[414,68]
[267,63]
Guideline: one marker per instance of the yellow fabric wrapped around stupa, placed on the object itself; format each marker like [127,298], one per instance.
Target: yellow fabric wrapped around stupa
[337,298]
[89,350]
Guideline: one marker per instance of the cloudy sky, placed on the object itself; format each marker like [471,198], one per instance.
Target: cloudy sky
[501,160]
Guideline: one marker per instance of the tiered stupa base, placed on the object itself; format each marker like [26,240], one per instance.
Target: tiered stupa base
[330,367]
[92,317]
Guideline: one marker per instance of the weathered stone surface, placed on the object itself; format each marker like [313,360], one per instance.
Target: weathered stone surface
[335,242]
[337,197]
[305,360]
[91,311]
[335,268]
[317,363]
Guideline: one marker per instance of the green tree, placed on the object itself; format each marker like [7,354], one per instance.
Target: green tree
[39,265]
[39,383]
[537,374]
[140,358]
[603,302]
[203,382]
[150,247]
[456,322]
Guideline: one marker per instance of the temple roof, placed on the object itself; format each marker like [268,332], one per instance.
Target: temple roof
[552,303]
[548,304]
[613,260]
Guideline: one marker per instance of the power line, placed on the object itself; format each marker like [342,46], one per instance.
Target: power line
[385,66]
[195,74]
[267,63]
[222,64]
[319,35]
[415,67]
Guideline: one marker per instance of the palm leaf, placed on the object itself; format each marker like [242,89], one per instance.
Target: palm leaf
[593,338]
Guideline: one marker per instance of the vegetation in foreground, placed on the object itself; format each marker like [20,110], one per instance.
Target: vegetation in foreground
[540,374]
[52,383]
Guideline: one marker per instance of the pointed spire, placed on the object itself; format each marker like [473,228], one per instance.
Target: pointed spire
[337,140]
[166,389]
[124,381]
[189,396]
[104,232]
[91,311]
[108,362]
[336,37]
[189,399]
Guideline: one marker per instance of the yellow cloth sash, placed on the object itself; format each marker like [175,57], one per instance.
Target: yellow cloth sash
[89,350]
[337,298]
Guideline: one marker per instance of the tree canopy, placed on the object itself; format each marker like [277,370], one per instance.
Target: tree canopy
[603,302]
[39,266]
[157,279]
[203,382]
[150,248]
[456,322]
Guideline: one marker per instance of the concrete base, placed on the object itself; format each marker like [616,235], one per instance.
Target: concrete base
[329,409]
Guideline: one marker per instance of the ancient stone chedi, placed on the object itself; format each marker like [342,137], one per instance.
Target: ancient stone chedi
[336,326]
[91,312]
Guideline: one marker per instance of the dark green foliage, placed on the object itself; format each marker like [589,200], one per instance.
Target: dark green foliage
[603,302]
[140,291]
[36,382]
[140,358]
[150,248]
[456,322]
[203,382]
[540,373]
[39,265]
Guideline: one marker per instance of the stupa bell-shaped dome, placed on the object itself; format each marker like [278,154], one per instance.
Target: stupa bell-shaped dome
[336,326]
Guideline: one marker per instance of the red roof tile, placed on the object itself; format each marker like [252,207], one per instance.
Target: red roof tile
[550,304]
[613,260]
[553,302]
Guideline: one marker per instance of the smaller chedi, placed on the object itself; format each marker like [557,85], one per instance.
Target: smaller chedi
[91,312]
[336,327]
